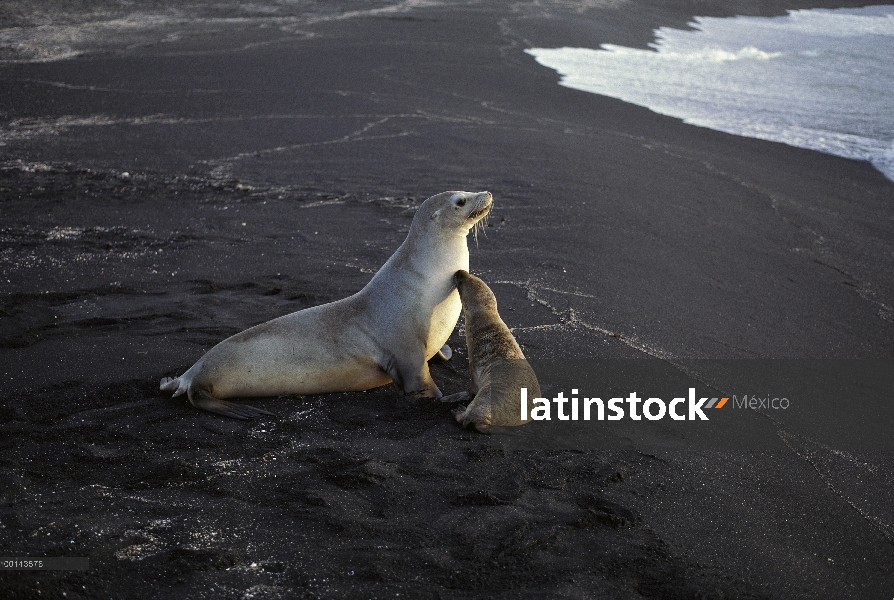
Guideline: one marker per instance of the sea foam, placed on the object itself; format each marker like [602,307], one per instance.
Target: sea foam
[818,79]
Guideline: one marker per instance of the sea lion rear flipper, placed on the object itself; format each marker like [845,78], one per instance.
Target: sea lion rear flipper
[173,384]
[444,354]
[457,397]
[202,399]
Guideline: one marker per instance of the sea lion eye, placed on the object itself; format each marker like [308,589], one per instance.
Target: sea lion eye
[461,202]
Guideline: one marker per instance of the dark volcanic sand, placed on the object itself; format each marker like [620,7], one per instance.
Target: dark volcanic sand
[159,196]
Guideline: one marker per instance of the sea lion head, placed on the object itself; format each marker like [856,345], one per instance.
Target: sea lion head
[474,293]
[455,211]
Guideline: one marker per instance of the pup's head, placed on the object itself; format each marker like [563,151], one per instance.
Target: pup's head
[474,293]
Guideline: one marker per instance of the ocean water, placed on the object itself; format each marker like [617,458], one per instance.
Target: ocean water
[817,79]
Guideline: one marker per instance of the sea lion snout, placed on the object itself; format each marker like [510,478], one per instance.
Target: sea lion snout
[474,293]
[484,201]
[466,286]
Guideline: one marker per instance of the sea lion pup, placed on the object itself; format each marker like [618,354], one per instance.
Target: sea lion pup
[385,332]
[499,369]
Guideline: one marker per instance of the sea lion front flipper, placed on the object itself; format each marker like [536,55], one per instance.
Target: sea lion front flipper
[459,413]
[473,415]
[411,379]
[202,399]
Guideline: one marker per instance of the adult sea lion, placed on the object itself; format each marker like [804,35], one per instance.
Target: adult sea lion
[499,368]
[385,332]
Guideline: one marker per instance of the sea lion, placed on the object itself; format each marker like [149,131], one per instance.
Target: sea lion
[385,332]
[499,368]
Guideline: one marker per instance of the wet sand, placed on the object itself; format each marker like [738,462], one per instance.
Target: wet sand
[160,196]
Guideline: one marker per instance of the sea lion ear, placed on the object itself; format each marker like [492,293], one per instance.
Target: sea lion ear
[436,213]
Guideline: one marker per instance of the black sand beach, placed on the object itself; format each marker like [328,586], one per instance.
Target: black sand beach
[177,176]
